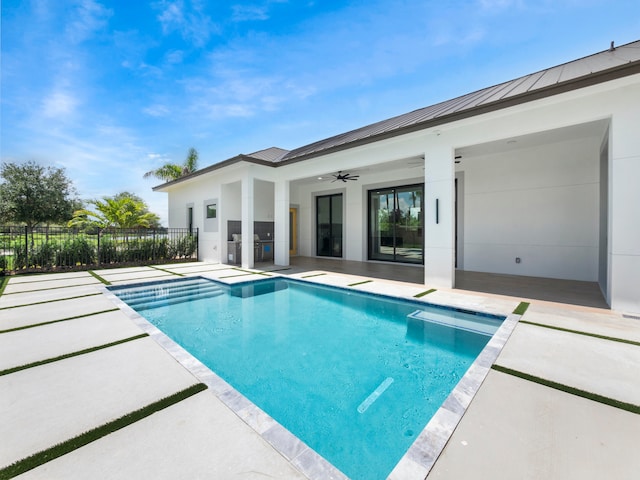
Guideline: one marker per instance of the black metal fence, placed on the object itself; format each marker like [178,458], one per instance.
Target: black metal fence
[58,249]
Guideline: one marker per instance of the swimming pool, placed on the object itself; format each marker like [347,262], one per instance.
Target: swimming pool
[355,376]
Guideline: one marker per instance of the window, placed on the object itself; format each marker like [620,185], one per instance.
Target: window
[211,210]
[396,224]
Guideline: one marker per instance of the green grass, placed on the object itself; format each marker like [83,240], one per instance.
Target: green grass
[49,288]
[250,271]
[98,277]
[313,275]
[167,271]
[4,281]
[56,321]
[69,355]
[612,402]
[521,308]
[578,332]
[92,435]
[51,301]
[359,283]
[426,292]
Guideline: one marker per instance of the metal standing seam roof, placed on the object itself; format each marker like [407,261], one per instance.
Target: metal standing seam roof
[597,68]
[272,154]
[623,60]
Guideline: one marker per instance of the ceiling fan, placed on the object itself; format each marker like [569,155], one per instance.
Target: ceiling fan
[345,177]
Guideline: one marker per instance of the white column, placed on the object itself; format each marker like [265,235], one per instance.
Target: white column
[624,208]
[247,221]
[439,217]
[281,220]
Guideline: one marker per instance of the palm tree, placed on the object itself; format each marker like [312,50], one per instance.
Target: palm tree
[170,171]
[122,212]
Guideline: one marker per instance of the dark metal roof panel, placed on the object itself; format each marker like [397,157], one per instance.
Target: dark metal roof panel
[526,83]
[272,154]
[550,77]
[567,72]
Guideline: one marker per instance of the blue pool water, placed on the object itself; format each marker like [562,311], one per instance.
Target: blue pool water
[355,376]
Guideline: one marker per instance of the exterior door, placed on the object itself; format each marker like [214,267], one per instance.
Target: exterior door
[329,225]
[396,224]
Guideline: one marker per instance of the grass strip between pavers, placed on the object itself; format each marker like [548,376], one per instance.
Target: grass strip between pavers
[48,276]
[97,433]
[4,281]
[359,283]
[521,308]
[313,275]
[24,327]
[250,271]
[51,288]
[137,280]
[98,277]
[612,402]
[426,292]
[167,271]
[51,301]
[70,355]
[578,332]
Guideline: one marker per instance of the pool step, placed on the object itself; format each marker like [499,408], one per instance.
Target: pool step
[175,286]
[481,325]
[162,295]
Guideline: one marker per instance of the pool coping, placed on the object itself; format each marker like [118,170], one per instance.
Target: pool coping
[417,461]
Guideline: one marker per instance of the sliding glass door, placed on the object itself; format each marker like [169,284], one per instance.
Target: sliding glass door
[396,224]
[329,225]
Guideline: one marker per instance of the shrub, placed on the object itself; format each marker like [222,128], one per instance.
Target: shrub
[183,247]
[108,251]
[43,254]
[77,250]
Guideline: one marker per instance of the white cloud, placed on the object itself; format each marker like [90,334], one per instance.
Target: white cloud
[191,23]
[89,17]
[243,13]
[174,56]
[157,110]
[59,104]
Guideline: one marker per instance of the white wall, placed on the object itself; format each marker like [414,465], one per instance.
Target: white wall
[558,208]
[354,207]
[540,204]
[263,200]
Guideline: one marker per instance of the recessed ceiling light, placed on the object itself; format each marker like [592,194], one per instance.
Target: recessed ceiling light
[319,178]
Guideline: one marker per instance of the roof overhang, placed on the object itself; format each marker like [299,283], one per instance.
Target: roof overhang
[216,166]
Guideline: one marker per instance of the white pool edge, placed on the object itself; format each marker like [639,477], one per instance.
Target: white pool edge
[416,462]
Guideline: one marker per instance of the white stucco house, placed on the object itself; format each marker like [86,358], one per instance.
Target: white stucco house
[538,176]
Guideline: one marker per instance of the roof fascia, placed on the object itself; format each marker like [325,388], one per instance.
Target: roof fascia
[557,89]
[214,167]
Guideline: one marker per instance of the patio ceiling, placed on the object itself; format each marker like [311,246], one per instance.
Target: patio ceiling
[595,129]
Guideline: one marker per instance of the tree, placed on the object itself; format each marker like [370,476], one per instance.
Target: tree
[123,211]
[32,194]
[154,220]
[171,171]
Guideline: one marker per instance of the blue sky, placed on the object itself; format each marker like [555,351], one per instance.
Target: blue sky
[109,89]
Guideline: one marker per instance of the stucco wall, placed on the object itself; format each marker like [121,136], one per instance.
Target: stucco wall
[547,197]
[538,204]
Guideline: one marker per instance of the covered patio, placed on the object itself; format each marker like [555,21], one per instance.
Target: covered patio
[571,292]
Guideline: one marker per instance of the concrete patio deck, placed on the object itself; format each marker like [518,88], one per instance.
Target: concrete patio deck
[522,423]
